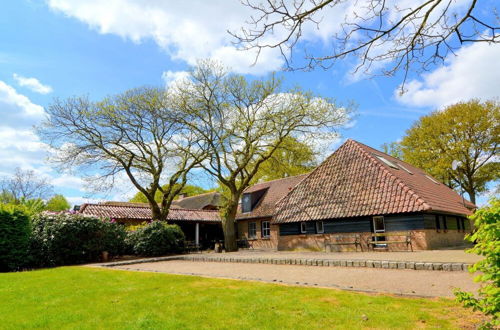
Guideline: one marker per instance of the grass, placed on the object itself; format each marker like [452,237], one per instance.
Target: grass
[84,298]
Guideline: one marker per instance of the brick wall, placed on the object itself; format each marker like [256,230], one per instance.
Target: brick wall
[449,238]
[421,240]
[259,242]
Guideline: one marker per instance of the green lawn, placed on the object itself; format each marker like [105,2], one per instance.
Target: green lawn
[80,297]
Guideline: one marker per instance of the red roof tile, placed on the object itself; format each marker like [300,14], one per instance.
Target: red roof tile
[274,191]
[114,211]
[353,182]
[199,202]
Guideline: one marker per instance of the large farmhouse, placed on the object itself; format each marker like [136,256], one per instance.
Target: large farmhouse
[356,195]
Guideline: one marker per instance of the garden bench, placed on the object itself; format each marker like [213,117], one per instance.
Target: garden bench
[339,240]
[244,244]
[390,238]
[190,246]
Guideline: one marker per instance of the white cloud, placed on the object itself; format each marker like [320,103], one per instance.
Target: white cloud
[21,147]
[68,181]
[173,77]
[473,73]
[32,83]
[16,107]
[186,30]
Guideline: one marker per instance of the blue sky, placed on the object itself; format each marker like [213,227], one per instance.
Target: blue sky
[98,48]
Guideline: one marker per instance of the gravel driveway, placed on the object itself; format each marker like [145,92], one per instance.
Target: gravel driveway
[405,282]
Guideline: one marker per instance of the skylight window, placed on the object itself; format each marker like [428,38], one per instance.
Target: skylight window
[387,162]
[432,179]
[404,168]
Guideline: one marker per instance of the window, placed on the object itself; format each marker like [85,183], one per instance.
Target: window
[404,168]
[252,230]
[387,162]
[445,224]
[303,228]
[432,179]
[319,227]
[438,223]
[459,226]
[246,203]
[266,229]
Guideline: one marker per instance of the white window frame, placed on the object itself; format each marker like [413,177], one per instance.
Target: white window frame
[255,228]
[266,229]
[303,228]
[322,231]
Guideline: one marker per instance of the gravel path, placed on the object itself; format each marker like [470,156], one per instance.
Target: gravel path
[405,282]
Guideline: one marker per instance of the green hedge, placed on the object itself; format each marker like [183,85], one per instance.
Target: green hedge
[66,239]
[156,239]
[14,238]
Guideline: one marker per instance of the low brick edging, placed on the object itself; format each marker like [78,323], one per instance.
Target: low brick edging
[384,264]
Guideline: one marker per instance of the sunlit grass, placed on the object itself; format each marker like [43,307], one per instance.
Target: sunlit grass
[80,297]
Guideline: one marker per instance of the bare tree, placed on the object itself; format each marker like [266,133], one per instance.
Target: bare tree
[241,124]
[134,133]
[396,34]
[25,185]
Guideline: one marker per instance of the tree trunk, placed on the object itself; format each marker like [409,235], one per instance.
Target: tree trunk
[229,226]
[472,196]
[156,213]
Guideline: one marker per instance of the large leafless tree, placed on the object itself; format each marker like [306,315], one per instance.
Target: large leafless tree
[135,133]
[25,185]
[242,123]
[384,35]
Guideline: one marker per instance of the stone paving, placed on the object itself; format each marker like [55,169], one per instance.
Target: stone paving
[444,260]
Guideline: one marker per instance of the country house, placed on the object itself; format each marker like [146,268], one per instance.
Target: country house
[358,197]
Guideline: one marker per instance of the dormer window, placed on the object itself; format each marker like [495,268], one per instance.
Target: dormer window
[250,200]
[431,178]
[404,168]
[246,203]
[387,162]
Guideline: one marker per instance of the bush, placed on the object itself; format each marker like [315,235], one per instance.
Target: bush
[156,239]
[65,239]
[487,238]
[14,238]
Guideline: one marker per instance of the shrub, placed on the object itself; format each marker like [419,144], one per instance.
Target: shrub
[14,238]
[156,238]
[64,239]
[487,238]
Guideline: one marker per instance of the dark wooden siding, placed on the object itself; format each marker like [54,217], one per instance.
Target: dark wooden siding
[357,225]
[429,221]
[290,228]
[467,224]
[403,222]
[451,222]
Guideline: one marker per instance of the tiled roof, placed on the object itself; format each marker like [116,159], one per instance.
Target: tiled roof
[144,213]
[275,190]
[198,202]
[353,182]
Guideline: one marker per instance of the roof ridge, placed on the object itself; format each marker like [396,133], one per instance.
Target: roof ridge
[401,182]
[386,154]
[205,193]
[145,207]
[195,210]
[288,177]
